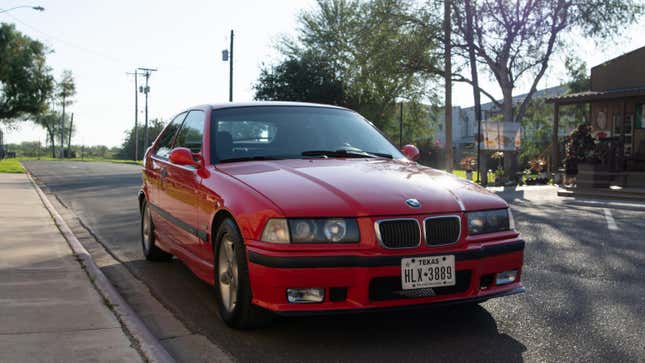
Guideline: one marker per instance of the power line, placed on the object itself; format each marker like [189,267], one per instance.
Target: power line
[87,50]
[65,42]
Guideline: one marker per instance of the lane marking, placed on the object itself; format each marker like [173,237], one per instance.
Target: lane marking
[611,223]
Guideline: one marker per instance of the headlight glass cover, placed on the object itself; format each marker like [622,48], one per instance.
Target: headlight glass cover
[311,230]
[489,221]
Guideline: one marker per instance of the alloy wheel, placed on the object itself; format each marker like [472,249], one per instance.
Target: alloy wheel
[146,228]
[227,273]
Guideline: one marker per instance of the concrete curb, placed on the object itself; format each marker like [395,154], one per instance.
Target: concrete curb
[150,346]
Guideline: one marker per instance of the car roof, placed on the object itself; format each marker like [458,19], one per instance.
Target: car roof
[219,106]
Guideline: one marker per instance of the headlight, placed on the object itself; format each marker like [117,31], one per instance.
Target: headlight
[489,221]
[318,230]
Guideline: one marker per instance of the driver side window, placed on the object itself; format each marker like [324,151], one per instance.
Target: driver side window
[167,137]
[192,132]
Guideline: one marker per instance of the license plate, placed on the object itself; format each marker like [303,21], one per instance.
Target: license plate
[431,271]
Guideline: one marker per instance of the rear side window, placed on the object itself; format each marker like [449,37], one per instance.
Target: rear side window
[192,132]
[165,140]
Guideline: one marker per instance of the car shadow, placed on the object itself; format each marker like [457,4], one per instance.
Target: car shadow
[422,335]
[428,334]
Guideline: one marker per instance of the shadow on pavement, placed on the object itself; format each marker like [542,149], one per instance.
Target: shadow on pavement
[432,334]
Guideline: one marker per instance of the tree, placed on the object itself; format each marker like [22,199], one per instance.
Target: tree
[579,81]
[25,81]
[65,90]
[368,49]
[515,40]
[127,148]
[51,121]
[307,78]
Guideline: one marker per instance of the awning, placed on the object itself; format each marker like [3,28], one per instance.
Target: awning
[588,96]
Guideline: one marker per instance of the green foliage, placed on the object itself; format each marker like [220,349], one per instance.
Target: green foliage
[126,151]
[31,149]
[25,81]
[363,55]
[579,80]
[306,78]
[66,88]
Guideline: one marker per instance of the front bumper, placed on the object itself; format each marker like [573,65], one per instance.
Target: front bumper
[366,279]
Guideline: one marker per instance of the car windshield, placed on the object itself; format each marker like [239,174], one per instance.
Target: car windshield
[289,132]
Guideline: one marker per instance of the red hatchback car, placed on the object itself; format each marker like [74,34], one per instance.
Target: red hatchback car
[298,208]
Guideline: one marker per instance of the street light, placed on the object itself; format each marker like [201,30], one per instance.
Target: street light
[37,8]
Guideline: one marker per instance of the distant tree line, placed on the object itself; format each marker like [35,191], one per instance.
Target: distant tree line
[126,151]
[36,149]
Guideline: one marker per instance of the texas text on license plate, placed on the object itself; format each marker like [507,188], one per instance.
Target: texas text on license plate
[431,271]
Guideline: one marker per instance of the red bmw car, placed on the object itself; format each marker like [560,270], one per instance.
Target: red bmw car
[296,208]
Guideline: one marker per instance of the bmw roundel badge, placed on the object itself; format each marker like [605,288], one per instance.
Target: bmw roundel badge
[413,203]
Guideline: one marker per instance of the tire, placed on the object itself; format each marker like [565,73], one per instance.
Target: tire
[232,284]
[148,240]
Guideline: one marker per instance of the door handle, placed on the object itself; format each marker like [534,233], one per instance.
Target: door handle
[164,172]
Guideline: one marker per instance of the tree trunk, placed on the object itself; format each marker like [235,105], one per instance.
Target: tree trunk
[51,139]
[475,83]
[448,80]
[507,104]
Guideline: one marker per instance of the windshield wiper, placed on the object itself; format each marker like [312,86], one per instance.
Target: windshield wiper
[250,158]
[347,153]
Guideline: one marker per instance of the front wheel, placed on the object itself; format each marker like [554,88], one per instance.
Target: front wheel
[148,240]
[232,284]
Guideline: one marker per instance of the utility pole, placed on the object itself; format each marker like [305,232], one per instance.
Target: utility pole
[473,72]
[448,81]
[227,55]
[401,126]
[230,71]
[136,114]
[146,90]
[62,131]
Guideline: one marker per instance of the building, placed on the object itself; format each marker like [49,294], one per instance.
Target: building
[464,125]
[616,103]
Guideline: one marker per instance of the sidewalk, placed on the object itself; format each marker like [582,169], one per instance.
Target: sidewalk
[49,309]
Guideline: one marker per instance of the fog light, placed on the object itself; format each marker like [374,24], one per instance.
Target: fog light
[303,296]
[505,277]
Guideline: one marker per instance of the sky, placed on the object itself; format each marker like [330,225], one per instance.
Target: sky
[101,41]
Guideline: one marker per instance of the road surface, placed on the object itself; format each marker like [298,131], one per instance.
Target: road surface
[584,274]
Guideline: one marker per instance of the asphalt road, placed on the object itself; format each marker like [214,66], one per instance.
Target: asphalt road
[585,284]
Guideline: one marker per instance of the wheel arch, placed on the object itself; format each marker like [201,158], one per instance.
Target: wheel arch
[218,218]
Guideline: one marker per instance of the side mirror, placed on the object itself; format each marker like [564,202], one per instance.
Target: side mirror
[411,152]
[182,156]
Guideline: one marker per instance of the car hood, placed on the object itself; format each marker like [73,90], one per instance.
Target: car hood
[359,187]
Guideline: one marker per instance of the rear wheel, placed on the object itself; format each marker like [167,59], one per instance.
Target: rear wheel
[232,284]
[148,241]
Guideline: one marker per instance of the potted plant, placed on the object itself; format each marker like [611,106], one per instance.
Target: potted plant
[585,157]
[499,171]
[537,166]
[499,176]
[468,164]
